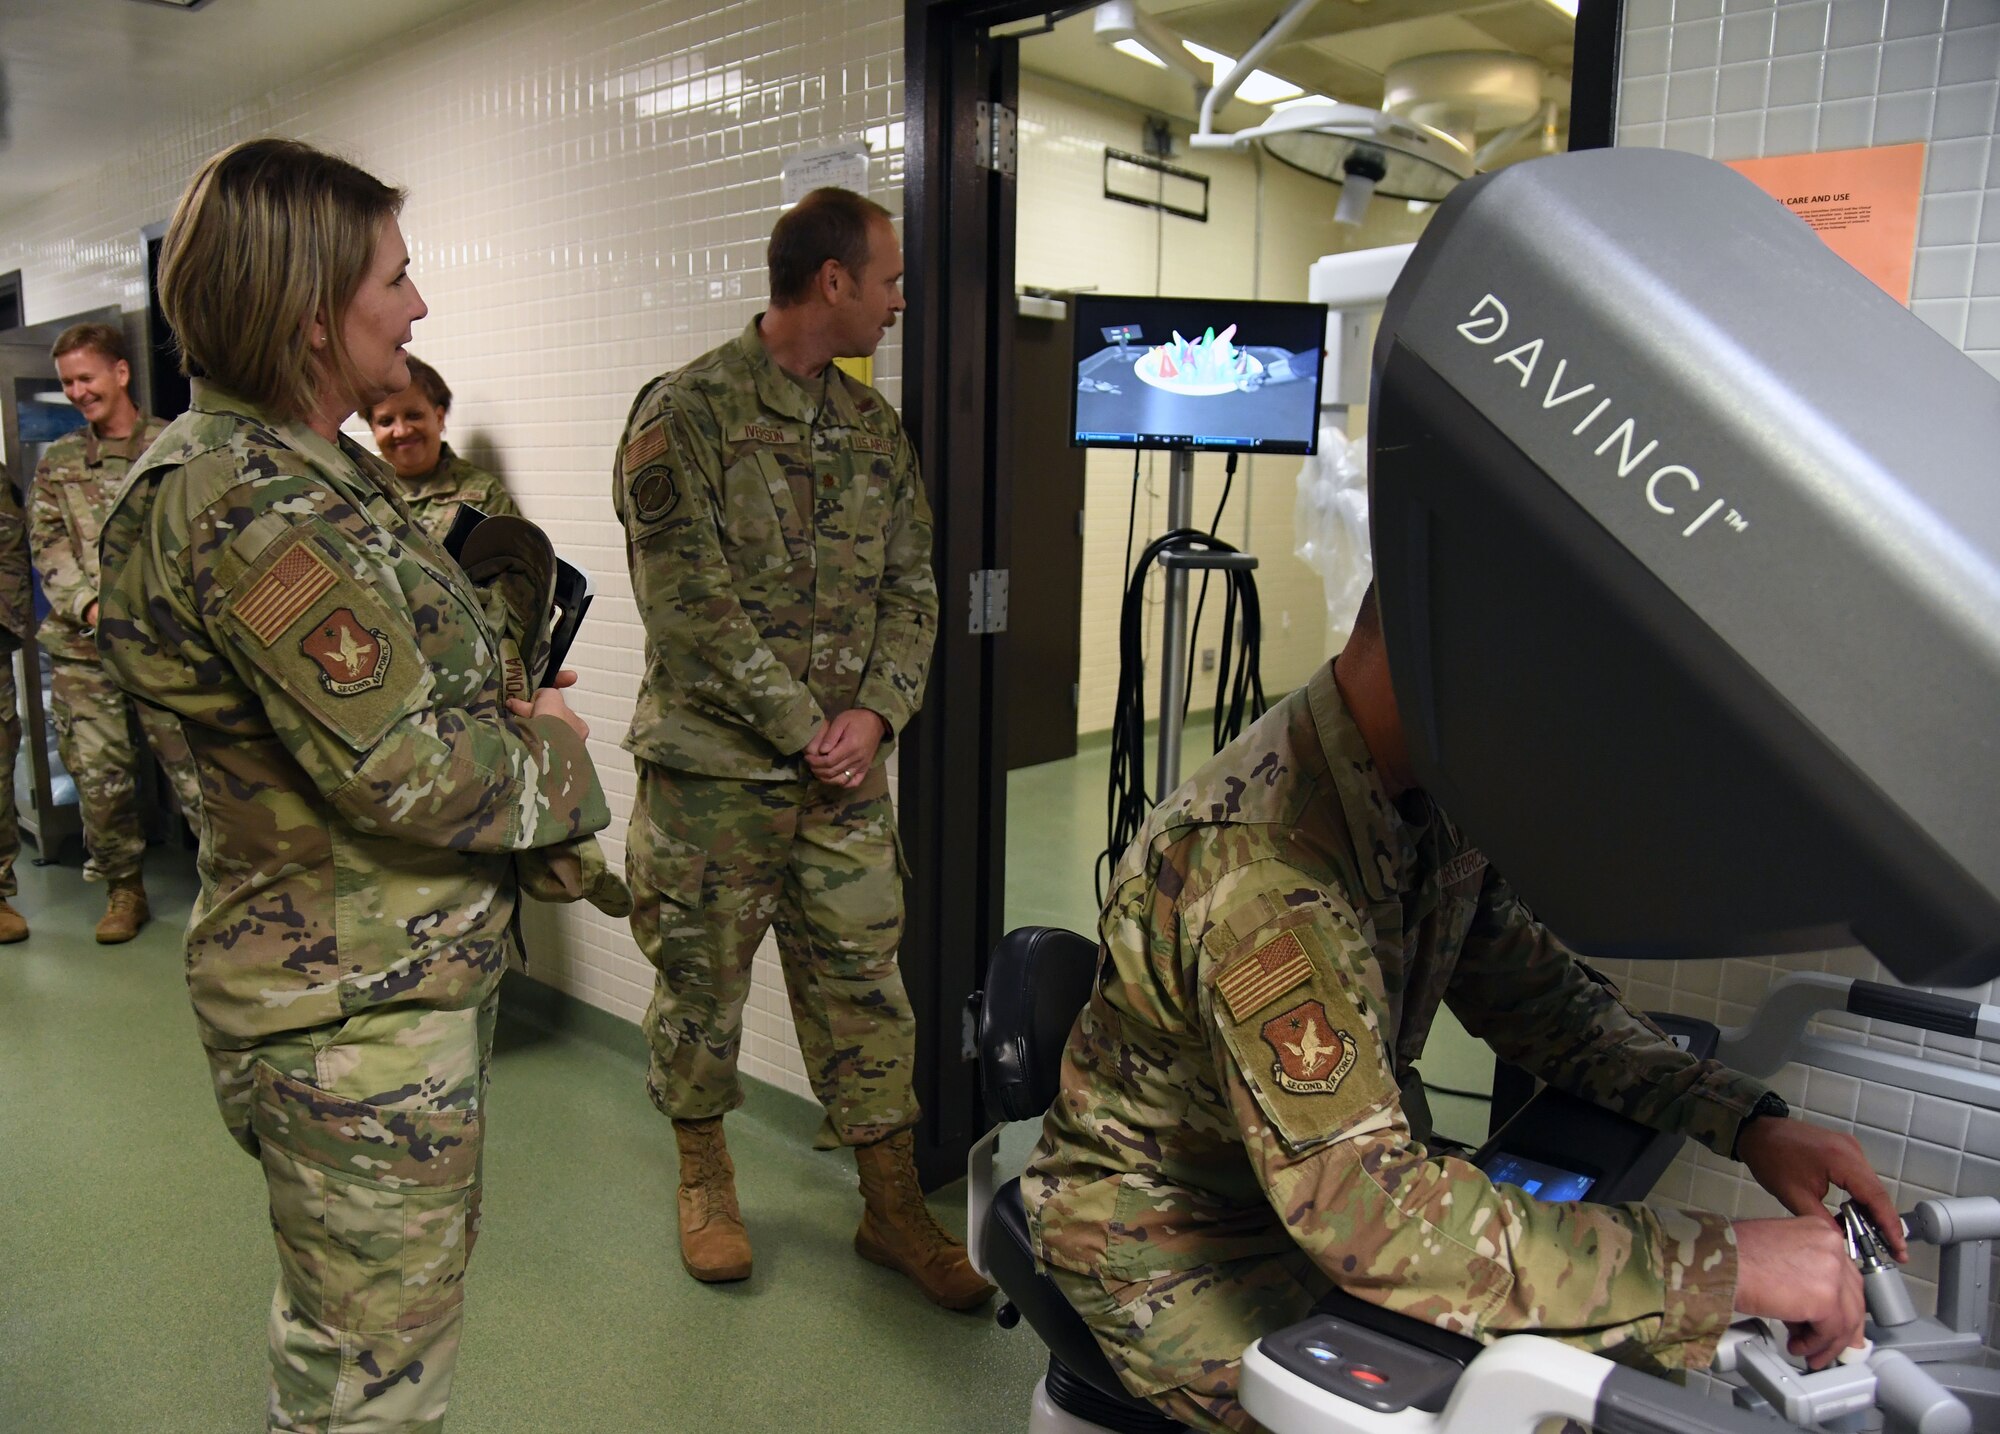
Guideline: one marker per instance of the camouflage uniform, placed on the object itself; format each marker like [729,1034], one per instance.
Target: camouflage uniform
[779,539]
[1229,1140]
[17,613]
[78,478]
[435,498]
[334,691]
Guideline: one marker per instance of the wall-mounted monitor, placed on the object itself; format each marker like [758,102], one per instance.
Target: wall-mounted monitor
[1229,375]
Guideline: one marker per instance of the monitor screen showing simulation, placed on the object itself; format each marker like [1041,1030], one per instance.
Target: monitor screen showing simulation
[1223,374]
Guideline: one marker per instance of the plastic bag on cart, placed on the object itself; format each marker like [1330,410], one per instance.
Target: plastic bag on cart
[1331,526]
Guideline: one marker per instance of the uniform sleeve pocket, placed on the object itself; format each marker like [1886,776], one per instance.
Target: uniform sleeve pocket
[328,639]
[372,1205]
[1303,1046]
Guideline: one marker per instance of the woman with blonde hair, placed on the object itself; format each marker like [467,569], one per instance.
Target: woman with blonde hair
[364,785]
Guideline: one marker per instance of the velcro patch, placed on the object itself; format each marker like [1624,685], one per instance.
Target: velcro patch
[352,659]
[1313,1057]
[1308,1055]
[761,433]
[288,588]
[1463,867]
[871,443]
[1252,982]
[647,446]
[655,494]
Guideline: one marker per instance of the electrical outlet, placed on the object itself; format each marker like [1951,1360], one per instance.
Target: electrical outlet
[1208,659]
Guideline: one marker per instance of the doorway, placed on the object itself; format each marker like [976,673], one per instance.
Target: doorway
[976,121]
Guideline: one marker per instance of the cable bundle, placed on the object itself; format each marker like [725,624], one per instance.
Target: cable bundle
[1239,688]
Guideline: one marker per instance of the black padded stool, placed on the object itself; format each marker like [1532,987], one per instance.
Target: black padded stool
[1038,979]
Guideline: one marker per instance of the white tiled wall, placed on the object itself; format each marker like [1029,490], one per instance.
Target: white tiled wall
[591,185]
[1259,241]
[1743,79]
[1740,79]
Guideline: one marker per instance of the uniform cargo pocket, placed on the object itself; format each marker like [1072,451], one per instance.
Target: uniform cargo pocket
[662,861]
[371,1204]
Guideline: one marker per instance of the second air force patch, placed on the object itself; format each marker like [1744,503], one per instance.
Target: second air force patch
[1313,1058]
[352,659]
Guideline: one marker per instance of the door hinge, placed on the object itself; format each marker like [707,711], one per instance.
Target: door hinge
[994,137]
[988,613]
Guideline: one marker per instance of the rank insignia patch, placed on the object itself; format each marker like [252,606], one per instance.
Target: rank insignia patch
[1252,982]
[1313,1058]
[655,494]
[352,659]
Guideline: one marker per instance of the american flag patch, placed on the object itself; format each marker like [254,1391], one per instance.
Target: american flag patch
[280,598]
[647,446]
[1252,982]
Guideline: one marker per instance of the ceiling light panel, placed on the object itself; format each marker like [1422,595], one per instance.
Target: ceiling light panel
[1139,52]
[1259,87]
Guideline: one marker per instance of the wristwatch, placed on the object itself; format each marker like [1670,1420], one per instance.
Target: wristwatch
[1769,1103]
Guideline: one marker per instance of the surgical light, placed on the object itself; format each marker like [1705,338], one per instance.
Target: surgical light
[1361,171]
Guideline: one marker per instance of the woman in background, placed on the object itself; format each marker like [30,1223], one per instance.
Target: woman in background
[434,481]
[363,786]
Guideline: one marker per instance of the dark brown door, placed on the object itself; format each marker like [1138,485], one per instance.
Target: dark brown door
[1045,587]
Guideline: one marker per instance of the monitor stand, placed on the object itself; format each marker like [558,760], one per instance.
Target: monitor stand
[1173,658]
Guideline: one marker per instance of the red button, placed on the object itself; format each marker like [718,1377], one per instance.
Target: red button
[1368,1376]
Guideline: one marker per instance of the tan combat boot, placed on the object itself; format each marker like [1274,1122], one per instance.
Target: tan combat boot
[13,925]
[898,1232]
[715,1247]
[125,911]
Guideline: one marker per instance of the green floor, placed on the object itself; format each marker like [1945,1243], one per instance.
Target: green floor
[135,1264]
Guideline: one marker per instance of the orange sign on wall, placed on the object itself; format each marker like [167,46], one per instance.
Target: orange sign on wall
[1863,202]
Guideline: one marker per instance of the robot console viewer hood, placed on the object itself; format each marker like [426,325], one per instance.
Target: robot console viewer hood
[1687,544]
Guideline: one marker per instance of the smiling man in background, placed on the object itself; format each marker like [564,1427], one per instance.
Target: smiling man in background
[78,478]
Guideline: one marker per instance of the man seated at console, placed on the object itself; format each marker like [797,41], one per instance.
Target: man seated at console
[1231,1140]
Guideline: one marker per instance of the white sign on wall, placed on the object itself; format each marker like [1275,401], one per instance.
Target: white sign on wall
[842,165]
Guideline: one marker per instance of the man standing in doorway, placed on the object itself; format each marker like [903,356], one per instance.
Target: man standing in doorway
[74,487]
[779,540]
